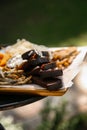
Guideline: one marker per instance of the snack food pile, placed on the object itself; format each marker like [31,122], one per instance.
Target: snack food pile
[27,63]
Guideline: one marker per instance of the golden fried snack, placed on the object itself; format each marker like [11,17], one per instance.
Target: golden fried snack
[4,59]
[64,57]
[1,55]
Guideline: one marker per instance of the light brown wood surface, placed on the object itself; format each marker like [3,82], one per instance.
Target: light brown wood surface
[41,92]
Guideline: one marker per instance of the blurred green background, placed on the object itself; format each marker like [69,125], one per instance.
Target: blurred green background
[51,23]
[48,22]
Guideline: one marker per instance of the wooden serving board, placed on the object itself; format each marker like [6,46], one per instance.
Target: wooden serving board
[40,92]
[68,76]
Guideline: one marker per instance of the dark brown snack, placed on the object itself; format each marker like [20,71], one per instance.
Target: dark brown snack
[29,65]
[50,65]
[51,84]
[29,54]
[50,73]
[34,71]
[45,53]
[43,71]
[32,54]
[34,59]
[39,61]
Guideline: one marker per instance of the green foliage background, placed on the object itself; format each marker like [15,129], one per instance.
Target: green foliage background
[59,120]
[48,22]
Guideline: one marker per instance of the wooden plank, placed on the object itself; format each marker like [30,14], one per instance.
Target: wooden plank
[41,92]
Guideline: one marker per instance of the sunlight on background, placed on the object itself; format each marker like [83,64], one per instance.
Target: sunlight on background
[81,79]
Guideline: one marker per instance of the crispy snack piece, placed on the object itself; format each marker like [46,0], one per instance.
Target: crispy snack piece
[61,54]
[1,55]
[65,57]
[4,58]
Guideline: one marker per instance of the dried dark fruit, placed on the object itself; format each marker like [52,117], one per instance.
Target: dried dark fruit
[29,65]
[27,55]
[51,84]
[50,73]
[50,65]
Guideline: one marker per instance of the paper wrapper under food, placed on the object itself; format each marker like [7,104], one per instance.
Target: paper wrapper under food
[68,74]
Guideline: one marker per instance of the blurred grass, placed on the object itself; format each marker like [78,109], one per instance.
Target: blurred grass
[52,23]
